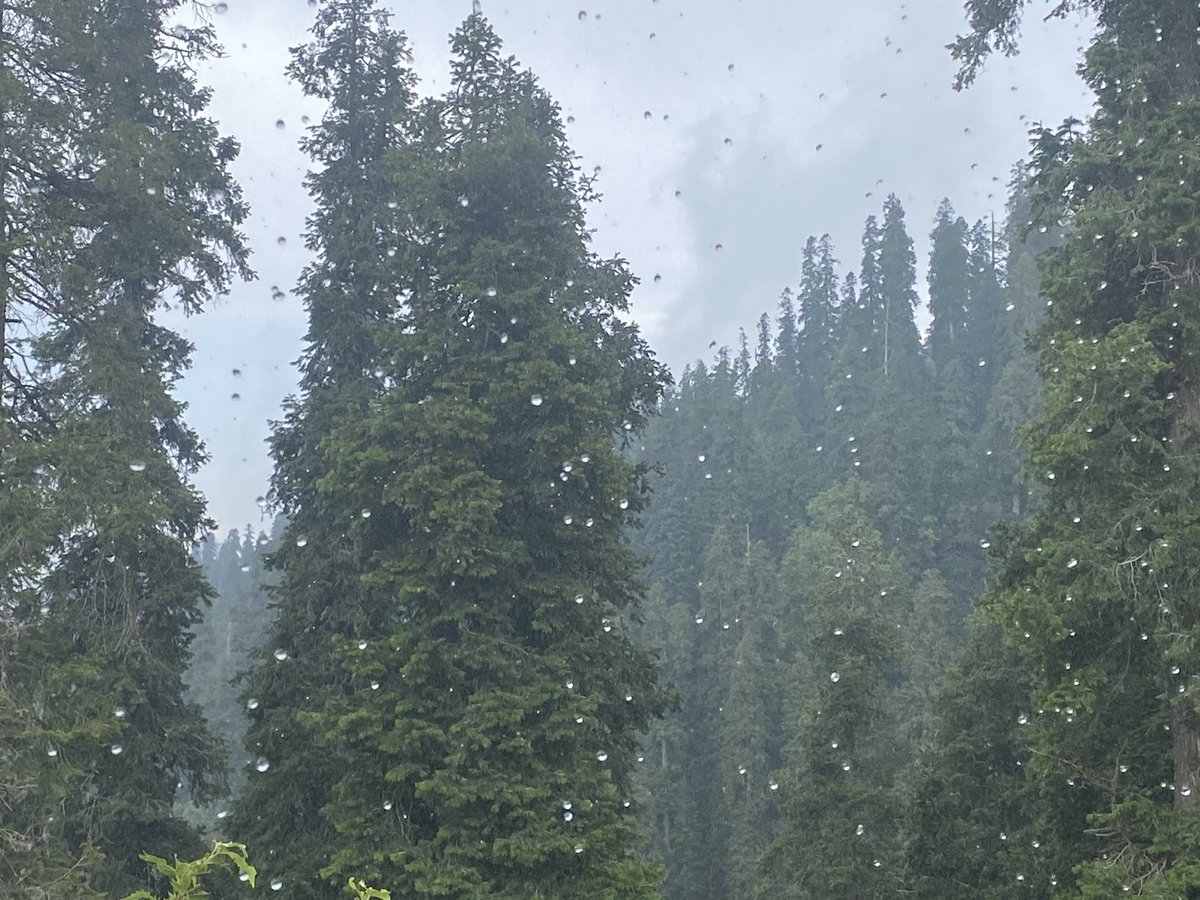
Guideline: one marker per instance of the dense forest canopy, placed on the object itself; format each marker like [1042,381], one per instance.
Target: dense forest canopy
[894,596]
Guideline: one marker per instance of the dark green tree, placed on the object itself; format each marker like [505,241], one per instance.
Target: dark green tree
[949,286]
[153,220]
[357,233]
[1097,599]
[491,696]
[818,311]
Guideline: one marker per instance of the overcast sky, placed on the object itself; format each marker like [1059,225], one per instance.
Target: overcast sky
[748,124]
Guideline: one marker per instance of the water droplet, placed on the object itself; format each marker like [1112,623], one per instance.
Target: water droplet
[221,8]
[120,712]
[504,338]
[301,542]
[365,513]
[579,848]
[491,292]
[699,620]
[579,598]
[568,815]
[1023,719]
[387,804]
[277,884]
[261,764]
[860,829]
[719,247]
[280,654]
[252,703]
[279,123]
[536,399]
[1072,563]
[116,749]
[567,520]
[835,677]
[137,466]
[741,770]
[601,756]
[774,785]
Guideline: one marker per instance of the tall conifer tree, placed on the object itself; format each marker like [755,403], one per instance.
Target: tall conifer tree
[490,695]
[358,233]
[153,217]
[1098,602]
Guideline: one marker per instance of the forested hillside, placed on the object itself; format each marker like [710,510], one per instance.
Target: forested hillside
[815,540]
[880,601]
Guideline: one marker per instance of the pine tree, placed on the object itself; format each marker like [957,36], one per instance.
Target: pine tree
[154,221]
[949,287]
[838,785]
[897,299]
[1098,603]
[493,706]
[818,311]
[357,64]
[741,608]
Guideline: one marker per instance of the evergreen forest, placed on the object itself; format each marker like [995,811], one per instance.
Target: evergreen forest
[883,599]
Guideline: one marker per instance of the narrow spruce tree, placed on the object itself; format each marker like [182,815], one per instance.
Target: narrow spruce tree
[818,312]
[741,608]
[102,639]
[839,835]
[949,286]
[357,64]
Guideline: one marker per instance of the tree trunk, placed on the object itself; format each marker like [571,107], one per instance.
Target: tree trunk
[1186,750]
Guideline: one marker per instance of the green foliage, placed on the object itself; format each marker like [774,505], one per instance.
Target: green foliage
[844,754]
[184,877]
[1091,596]
[362,892]
[453,484]
[136,211]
